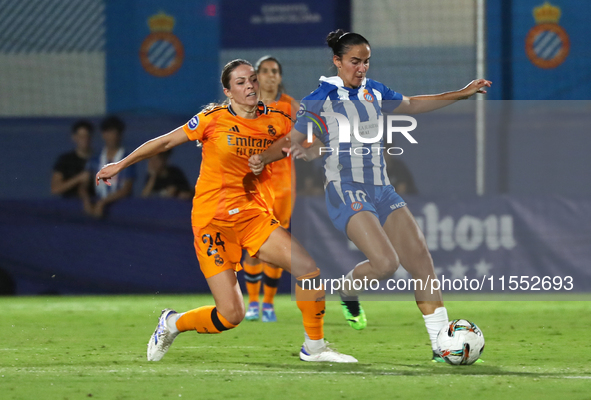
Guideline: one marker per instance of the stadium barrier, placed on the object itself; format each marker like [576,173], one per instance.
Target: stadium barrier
[499,244]
[146,245]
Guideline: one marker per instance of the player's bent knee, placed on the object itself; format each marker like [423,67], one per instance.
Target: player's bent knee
[233,314]
[384,266]
[252,262]
[233,317]
[303,266]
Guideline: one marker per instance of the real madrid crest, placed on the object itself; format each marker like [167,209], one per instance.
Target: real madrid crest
[547,44]
[161,52]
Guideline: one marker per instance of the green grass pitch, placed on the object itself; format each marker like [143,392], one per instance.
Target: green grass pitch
[81,347]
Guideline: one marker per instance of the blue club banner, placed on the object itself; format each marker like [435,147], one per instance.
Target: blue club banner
[281,23]
[162,56]
[538,49]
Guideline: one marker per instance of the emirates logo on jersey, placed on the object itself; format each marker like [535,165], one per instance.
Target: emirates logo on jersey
[248,146]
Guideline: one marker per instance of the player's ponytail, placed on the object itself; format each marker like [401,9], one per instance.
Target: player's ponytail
[340,41]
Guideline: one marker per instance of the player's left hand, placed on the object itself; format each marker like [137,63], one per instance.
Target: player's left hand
[256,164]
[476,86]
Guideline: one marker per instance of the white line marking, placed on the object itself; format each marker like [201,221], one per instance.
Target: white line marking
[293,372]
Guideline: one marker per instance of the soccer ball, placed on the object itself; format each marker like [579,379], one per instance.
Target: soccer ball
[460,343]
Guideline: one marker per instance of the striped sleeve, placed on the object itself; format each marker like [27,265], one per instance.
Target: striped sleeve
[196,128]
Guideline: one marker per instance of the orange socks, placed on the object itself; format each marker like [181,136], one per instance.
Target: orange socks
[252,276]
[311,303]
[270,283]
[270,278]
[205,319]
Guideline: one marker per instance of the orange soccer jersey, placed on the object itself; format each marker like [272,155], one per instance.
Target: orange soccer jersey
[283,177]
[226,187]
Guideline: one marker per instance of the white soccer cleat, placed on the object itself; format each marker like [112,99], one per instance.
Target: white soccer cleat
[162,338]
[326,355]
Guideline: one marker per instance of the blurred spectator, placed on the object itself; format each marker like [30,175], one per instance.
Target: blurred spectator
[399,174]
[122,184]
[310,178]
[7,284]
[165,180]
[69,174]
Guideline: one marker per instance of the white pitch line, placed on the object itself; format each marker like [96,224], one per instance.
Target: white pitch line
[218,347]
[567,377]
[372,373]
[294,372]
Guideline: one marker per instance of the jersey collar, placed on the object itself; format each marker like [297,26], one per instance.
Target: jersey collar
[338,82]
[261,109]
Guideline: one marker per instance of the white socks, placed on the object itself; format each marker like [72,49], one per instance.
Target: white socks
[315,346]
[434,322]
[348,288]
[171,322]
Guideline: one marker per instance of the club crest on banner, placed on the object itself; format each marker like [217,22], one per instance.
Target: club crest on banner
[547,44]
[161,52]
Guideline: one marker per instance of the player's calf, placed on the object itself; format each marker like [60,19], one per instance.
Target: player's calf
[205,319]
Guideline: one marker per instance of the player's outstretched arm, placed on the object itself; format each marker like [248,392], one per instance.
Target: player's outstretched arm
[303,150]
[290,145]
[146,150]
[275,152]
[430,102]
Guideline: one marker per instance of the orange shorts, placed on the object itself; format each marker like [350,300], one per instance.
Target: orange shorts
[282,210]
[219,245]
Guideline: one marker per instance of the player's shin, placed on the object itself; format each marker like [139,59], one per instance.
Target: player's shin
[351,288]
[252,276]
[434,322]
[204,319]
[311,302]
[270,283]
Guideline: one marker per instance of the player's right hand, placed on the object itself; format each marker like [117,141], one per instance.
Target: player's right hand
[256,164]
[106,173]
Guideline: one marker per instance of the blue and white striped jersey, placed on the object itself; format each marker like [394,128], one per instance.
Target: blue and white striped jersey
[354,161]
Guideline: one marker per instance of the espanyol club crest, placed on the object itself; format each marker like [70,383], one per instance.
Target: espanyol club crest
[357,206]
[547,44]
[161,52]
[368,96]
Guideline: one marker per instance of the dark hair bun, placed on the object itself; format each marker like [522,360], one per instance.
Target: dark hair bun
[333,37]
